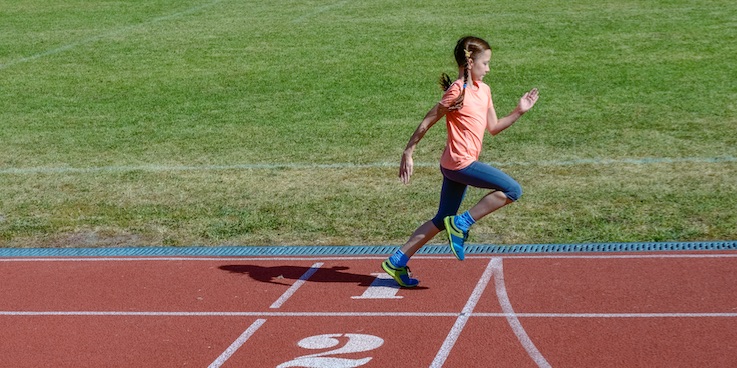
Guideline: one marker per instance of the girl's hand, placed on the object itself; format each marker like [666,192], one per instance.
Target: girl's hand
[527,101]
[406,168]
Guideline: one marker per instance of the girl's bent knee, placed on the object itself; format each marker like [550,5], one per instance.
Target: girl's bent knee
[438,221]
[514,193]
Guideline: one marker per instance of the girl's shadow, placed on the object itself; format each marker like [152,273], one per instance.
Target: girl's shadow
[273,275]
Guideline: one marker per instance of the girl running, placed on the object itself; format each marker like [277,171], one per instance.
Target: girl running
[469,110]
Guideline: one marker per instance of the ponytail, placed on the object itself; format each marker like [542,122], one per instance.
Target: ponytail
[445,82]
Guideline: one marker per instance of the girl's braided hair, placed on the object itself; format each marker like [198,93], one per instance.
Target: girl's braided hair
[467,48]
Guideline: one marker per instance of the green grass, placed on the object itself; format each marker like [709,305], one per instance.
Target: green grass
[134,90]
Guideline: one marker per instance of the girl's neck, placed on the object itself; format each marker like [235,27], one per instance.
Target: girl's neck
[471,83]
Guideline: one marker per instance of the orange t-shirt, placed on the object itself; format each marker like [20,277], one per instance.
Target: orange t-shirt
[466,126]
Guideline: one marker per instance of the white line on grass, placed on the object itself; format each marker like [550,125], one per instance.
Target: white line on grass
[349,166]
[519,331]
[455,332]
[107,34]
[293,289]
[319,11]
[237,343]
[165,168]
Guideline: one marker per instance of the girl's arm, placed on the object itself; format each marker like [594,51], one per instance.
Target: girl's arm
[406,167]
[496,126]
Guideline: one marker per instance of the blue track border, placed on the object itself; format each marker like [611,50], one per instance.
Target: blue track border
[248,251]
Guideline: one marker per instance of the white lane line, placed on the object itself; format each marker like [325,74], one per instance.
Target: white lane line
[209,259]
[237,343]
[608,315]
[623,256]
[223,314]
[357,314]
[293,289]
[519,331]
[455,332]
[103,35]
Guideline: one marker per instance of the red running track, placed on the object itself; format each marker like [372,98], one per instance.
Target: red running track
[531,310]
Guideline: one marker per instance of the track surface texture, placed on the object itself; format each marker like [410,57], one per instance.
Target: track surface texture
[116,308]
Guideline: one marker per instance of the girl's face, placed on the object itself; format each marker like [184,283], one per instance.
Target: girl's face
[480,65]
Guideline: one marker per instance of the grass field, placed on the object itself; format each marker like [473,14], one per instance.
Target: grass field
[215,122]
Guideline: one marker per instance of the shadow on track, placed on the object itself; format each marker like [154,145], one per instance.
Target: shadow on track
[274,275]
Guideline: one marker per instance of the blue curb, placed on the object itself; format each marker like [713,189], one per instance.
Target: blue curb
[240,251]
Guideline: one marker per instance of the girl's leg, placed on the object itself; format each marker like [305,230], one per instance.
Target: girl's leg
[451,196]
[480,175]
[420,237]
[490,203]
[505,190]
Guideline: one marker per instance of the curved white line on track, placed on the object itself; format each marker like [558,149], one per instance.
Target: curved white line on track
[514,323]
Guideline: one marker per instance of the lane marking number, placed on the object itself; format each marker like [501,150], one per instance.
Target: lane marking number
[383,287]
[352,343]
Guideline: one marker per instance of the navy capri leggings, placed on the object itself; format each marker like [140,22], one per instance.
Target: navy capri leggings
[477,174]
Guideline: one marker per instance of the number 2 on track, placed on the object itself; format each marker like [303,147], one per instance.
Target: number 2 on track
[355,343]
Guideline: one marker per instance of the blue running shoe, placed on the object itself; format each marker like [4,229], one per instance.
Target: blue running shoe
[456,237]
[400,274]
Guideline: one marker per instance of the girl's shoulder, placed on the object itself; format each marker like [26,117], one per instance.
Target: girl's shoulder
[484,86]
[454,89]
